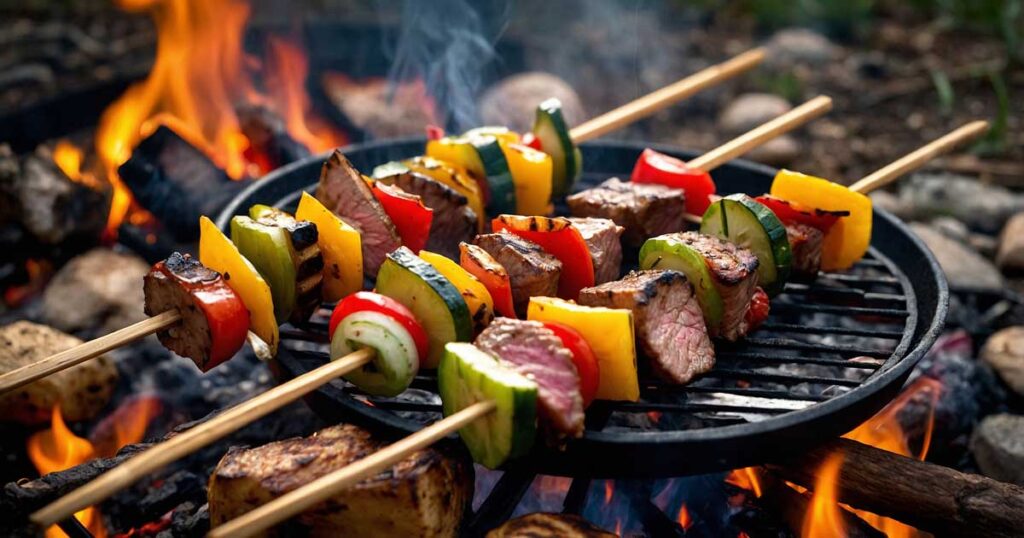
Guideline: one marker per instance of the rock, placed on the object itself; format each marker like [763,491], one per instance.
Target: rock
[799,45]
[1004,352]
[998,447]
[750,110]
[513,100]
[951,228]
[978,205]
[887,201]
[82,390]
[964,267]
[778,152]
[10,172]
[1010,256]
[379,109]
[100,289]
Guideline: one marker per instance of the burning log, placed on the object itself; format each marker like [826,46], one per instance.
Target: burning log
[270,145]
[930,497]
[792,506]
[176,182]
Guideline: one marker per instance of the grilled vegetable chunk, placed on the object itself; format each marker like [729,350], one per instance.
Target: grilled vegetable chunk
[214,321]
[425,494]
[667,318]
[453,219]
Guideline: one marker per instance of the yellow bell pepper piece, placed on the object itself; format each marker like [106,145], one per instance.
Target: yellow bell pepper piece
[453,176]
[609,331]
[478,299]
[850,237]
[217,252]
[340,246]
[531,174]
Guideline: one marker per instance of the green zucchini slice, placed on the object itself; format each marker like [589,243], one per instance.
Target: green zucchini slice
[747,223]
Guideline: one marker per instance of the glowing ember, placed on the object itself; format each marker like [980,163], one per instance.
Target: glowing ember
[57,449]
[609,491]
[684,519]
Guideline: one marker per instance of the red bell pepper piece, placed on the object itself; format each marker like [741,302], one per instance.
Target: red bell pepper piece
[434,132]
[758,311]
[582,356]
[562,240]
[363,301]
[529,139]
[479,263]
[655,167]
[411,217]
[790,212]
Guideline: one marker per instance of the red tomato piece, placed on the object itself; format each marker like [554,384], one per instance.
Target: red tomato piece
[411,217]
[655,167]
[528,139]
[582,356]
[434,132]
[558,237]
[362,301]
[479,263]
[790,212]
[759,308]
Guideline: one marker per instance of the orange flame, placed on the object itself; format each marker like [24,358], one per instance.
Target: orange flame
[69,157]
[745,478]
[57,449]
[684,519]
[126,425]
[881,431]
[609,491]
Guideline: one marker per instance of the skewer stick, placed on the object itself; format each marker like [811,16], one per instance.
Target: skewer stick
[85,351]
[191,440]
[664,97]
[329,485]
[920,157]
[762,133]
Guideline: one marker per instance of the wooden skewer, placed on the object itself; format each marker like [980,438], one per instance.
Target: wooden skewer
[920,157]
[85,351]
[661,98]
[191,440]
[325,487]
[762,133]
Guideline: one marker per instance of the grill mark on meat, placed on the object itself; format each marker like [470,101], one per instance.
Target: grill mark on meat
[668,320]
[805,243]
[534,351]
[602,238]
[343,190]
[532,271]
[454,220]
[644,210]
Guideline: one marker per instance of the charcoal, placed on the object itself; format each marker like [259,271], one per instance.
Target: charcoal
[177,183]
[181,487]
[268,136]
[188,521]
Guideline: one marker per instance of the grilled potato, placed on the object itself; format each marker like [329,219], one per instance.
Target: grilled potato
[424,495]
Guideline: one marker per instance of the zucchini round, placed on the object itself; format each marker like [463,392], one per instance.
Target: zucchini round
[482,156]
[747,223]
[395,362]
[550,127]
[667,252]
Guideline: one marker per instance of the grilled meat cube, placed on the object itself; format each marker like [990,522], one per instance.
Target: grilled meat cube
[81,390]
[805,243]
[425,494]
[545,525]
[734,270]
[668,322]
[454,221]
[343,190]
[644,210]
[602,238]
[532,271]
[533,350]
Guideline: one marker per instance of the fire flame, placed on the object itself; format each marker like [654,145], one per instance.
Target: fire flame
[745,478]
[69,157]
[57,449]
[126,425]
[684,518]
[286,80]
[823,517]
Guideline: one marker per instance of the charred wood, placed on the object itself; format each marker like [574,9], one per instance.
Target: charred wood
[793,507]
[268,137]
[927,496]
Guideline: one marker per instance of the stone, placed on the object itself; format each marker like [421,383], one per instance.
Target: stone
[99,290]
[1010,255]
[964,267]
[951,228]
[750,110]
[1004,352]
[513,101]
[980,206]
[82,390]
[799,45]
[887,201]
[379,109]
[998,447]
[778,152]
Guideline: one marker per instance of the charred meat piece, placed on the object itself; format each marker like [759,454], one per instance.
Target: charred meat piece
[534,351]
[602,238]
[644,210]
[546,525]
[426,494]
[805,243]
[454,221]
[734,270]
[667,317]
[214,321]
[531,270]
[343,190]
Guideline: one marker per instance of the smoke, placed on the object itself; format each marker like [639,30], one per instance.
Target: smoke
[449,44]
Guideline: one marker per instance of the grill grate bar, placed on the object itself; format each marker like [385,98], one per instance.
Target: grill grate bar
[786,307]
[800,360]
[644,407]
[829,291]
[780,378]
[785,343]
[738,391]
[853,279]
[842,331]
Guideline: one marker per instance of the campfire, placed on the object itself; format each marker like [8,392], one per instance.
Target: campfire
[503,332]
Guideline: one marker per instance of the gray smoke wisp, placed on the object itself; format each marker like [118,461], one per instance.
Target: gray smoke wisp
[449,44]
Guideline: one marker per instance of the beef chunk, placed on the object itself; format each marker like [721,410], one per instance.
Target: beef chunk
[454,221]
[644,210]
[602,237]
[805,243]
[532,271]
